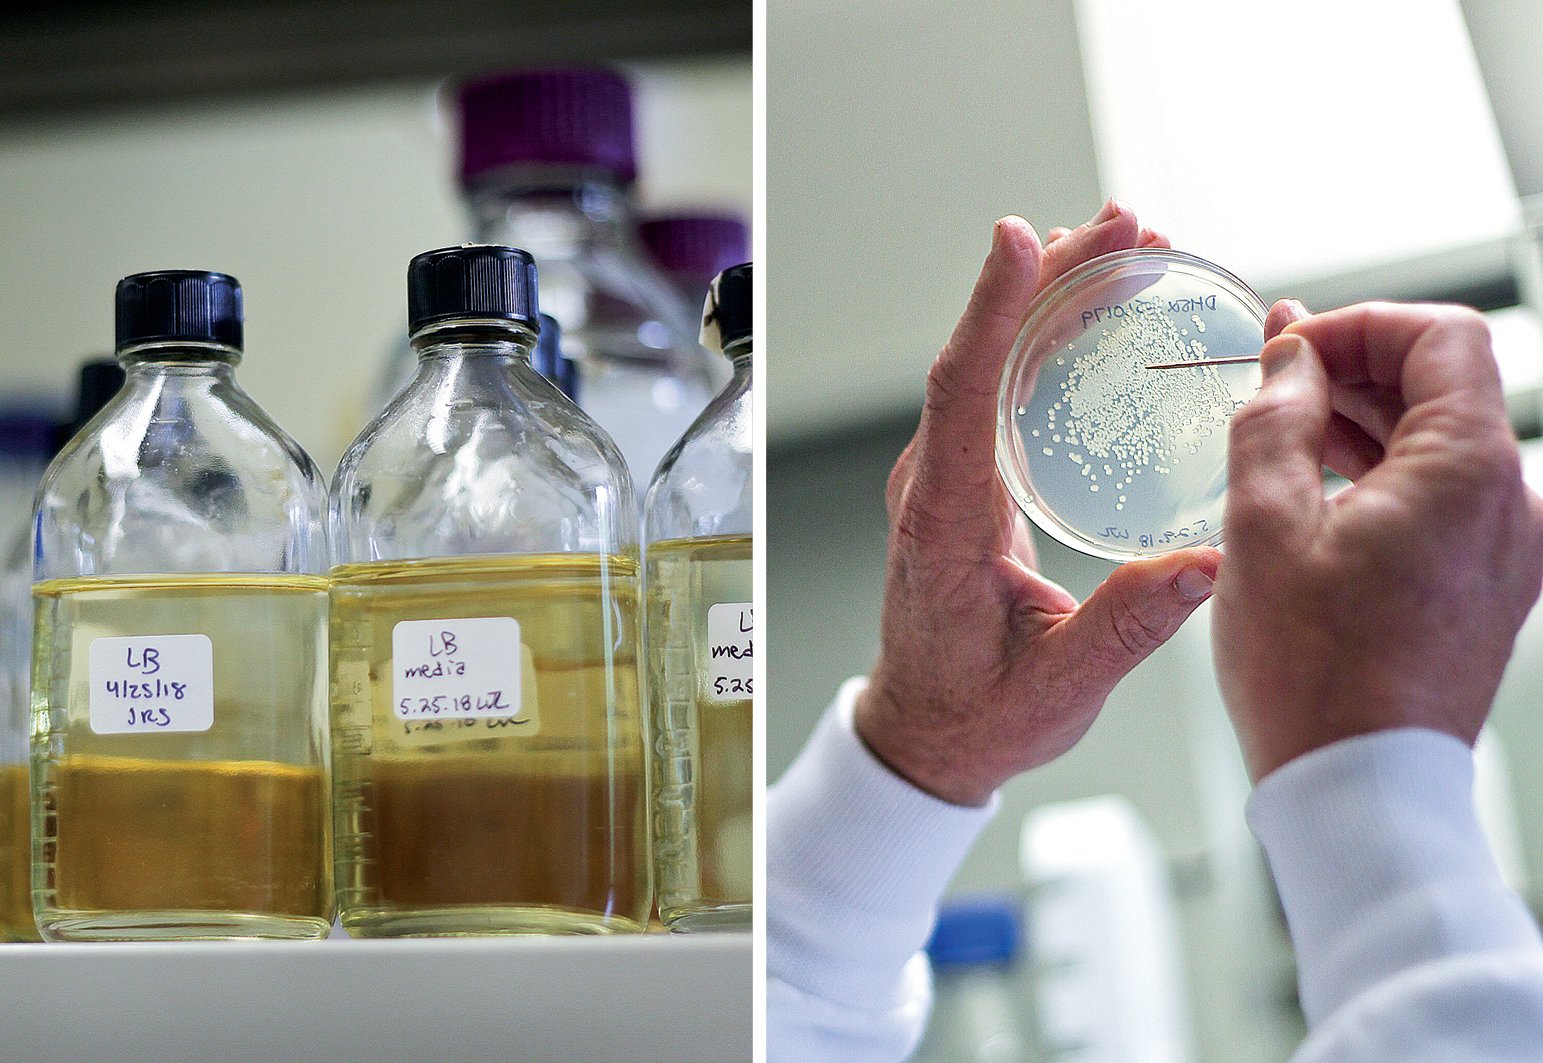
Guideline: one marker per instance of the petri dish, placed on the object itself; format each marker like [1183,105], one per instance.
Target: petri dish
[1103,453]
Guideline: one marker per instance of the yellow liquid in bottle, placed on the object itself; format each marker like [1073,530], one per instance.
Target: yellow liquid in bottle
[16,923]
[485,825]
[219,833]
[703,737]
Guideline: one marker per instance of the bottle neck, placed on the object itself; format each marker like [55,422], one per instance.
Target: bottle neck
[553,213]
[739,354]
[474,338]
[180,360]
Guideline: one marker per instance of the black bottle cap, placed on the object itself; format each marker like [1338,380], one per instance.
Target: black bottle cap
[179,305]
[472,280]
[100,380]
[726,316]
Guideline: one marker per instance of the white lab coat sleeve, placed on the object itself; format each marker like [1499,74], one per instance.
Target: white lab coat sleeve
[856,861]
[1409,946]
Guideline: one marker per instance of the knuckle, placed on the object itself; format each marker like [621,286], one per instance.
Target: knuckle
[1463,324]
[944,385]
[1258,512]
[1134,632]
[941,387]
[1481,447]
[1498,466]
[1266,414]
[899,479]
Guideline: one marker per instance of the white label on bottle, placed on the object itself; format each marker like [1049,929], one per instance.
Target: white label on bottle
[151,683]
[466,668]
[730,642]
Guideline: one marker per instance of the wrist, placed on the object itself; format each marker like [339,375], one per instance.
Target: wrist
[1279,720]
[1268,753]
[899,738]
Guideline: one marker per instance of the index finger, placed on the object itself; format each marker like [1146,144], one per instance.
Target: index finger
[1425,351]
[959,417]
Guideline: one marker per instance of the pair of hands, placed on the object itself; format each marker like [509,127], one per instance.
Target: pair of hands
[1395,603]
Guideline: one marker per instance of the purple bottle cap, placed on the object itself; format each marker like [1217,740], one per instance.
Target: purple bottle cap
[572,117]
[696,247]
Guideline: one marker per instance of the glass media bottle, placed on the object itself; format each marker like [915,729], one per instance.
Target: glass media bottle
[178,734]
[16,922]
[548,164]
[700,638]
[486,720]
[26,444]
[100,380]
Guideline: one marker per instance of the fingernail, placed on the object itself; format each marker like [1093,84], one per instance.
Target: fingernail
[1301,308]
[1110,210]
[1280,353]
[1193,583]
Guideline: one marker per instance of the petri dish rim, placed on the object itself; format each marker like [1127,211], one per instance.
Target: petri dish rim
[1011,461]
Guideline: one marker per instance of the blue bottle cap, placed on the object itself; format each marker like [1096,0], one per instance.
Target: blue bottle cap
[973,932]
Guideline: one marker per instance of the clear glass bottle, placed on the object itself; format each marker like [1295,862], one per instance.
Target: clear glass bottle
[700,638]
[26,444]
[179,656]
[488,735]
[16,922]
[99,382]
[548,164]
[982,1011]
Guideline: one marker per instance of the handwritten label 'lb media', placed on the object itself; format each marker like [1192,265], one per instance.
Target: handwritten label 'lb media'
[730,648]
[151,683]
[461,668]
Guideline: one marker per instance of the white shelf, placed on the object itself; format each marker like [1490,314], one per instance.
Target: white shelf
[575,1000]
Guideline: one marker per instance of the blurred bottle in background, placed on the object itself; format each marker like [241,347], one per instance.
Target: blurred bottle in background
[548,164]
[980,1011]
[26,447]
[26,444]
[1109,971]
[552,362]
[692,249]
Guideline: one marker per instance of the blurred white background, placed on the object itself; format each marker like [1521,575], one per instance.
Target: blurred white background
[315,200]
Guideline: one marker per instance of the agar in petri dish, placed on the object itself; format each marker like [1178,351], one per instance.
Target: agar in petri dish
[1102,451]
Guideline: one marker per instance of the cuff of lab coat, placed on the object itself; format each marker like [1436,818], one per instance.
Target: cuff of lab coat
[1380,862]
[857,859]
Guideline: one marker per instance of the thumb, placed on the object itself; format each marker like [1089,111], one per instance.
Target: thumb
[1275,448]
[1134,611]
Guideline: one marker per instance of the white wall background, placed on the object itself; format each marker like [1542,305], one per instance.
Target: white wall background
[1297,143]
[315,202]
[898,131]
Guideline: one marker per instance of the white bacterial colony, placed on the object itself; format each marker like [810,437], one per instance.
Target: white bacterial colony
[1116,419]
